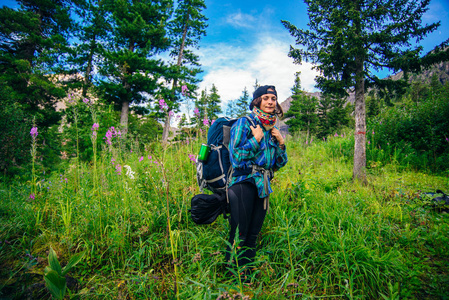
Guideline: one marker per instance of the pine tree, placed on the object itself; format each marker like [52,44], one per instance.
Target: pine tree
[349,39]
[303,110]
[242,104]
[91,33]
[33,44]
[129,67]
[213,106]
[185,31]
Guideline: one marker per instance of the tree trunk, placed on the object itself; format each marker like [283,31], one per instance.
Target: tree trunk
[87,81]
[124,116]
[126,102]
[359,171]
[166,129]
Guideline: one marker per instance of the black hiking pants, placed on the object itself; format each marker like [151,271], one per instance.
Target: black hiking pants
[248,214]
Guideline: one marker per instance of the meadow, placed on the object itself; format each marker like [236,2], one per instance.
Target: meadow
[125,213]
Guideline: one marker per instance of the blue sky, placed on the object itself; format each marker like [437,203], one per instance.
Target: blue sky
[246,41]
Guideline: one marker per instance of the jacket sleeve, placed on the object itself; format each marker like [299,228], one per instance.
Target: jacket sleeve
[243,145]
[281,157]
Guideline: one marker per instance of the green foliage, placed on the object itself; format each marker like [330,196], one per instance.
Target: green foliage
[242,104]
[324,236]
[303,111]
[54,275]
[417,131]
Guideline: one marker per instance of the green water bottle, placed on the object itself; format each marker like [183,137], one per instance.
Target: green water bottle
[204,152]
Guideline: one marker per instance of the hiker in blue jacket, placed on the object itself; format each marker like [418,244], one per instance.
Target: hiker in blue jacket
[255,152]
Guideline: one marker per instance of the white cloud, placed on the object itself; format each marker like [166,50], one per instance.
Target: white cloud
[240,20]
[232,69]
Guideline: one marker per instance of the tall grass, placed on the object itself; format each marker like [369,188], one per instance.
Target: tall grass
[324,237]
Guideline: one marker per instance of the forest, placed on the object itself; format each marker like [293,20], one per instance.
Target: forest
[102,120]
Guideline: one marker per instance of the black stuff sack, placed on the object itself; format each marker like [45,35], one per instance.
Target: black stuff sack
[206,208]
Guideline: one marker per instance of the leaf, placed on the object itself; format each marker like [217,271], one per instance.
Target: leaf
[56,284]
[72,262]
[53,261]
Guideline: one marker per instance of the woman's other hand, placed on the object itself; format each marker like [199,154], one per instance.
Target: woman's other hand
[257,132]
[277,134]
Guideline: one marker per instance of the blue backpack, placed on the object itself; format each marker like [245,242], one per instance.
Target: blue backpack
[214,173]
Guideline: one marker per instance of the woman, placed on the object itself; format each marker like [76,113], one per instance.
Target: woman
[256,152]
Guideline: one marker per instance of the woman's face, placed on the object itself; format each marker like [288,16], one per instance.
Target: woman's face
[268,103]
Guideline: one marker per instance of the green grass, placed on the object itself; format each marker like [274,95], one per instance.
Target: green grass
[324,236]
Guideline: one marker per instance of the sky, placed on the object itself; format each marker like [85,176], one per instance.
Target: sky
[246,41]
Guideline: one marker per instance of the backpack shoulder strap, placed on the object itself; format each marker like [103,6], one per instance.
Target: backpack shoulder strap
[251,121]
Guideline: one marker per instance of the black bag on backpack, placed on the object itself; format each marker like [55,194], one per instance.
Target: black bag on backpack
[206,208]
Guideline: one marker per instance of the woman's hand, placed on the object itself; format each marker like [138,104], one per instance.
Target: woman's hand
[257,132]
[277,134]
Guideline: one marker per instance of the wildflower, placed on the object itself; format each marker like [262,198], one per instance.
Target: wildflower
[447,139]
[192,158]
[369,142]
[65,180]
[32,196]
[336,134]
[184,90]
[205,121]
[171,113]
[311,140]
[141,158]
[130,173]
[211,123]
[34,132]
[163,105]
[94,129]
[149,157]
[85,100]
[196,111]
[307,142]
[118,169]
[373,132]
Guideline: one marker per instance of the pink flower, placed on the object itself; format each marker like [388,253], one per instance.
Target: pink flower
[141,158]
[196,111]
[85,100]
[118,169]
[171,113]
[336,134]
[34,132]
[163,105]
[205,122]
[192,158]
[211,123]
[149,157]
[184,90]
[32,196]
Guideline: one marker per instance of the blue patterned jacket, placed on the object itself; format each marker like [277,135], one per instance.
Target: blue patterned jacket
[245,152]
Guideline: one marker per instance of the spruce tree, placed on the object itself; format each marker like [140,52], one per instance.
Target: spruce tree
[33,44]
[92,32]
[185,32]
[349,39]
[129,66]
[213,106]
[303,110]
[242,104]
